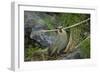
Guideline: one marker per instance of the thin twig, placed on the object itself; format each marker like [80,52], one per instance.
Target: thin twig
[77,24]
[82,41]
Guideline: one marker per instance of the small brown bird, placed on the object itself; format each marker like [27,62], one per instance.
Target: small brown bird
[61,40]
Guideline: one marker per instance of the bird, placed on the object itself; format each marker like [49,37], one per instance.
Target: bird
[55,39]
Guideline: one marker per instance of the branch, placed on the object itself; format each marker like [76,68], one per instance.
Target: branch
[65,27]
[77,24]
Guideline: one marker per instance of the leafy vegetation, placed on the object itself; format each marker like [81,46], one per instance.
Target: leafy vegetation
[85,48]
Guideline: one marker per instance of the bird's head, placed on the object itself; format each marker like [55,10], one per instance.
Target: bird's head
[60,29]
